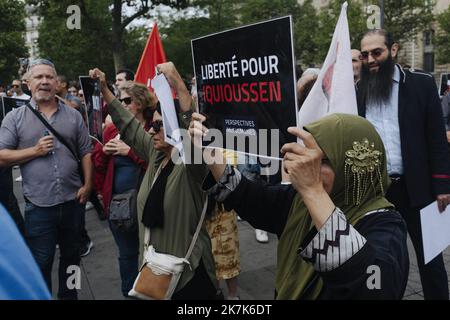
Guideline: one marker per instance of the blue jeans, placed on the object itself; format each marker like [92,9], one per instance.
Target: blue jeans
[47,226]
[128,244]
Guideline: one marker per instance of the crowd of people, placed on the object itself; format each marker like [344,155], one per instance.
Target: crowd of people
[344,201]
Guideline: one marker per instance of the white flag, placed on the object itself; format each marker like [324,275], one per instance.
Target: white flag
[334,90]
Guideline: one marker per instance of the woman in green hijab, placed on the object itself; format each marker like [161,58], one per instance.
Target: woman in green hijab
[339,238]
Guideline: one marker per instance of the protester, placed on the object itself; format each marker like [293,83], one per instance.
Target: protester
[87,244]
[404,107]
[73,89]
[16,88]
[122,76]
[222,228]
[119,170]
[223,231]
[52,187]
[338,182]
[252,171]
[356,63]
[2,91]
[74,102]
[305,84]
[172,207]
[62,90]
[81,96]
[21,278]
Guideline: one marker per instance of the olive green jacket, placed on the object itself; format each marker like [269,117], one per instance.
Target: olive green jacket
[183,199]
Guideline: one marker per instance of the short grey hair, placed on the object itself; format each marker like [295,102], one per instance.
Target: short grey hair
[36,62]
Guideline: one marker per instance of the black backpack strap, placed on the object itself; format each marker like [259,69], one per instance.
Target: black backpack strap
[53,131]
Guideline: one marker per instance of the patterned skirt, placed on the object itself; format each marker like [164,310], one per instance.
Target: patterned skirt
[222,228]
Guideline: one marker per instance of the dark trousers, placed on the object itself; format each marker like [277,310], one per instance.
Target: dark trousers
[84,235]
[128,244]
[432,275]
[199,288]
[8,199]
[47,226]
[13,208]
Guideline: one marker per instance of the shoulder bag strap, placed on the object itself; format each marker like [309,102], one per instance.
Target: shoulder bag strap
[53,131]
[199,227]
[194,238]
[197,231]
[147,230]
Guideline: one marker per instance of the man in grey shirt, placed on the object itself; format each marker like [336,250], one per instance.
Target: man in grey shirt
[52,186]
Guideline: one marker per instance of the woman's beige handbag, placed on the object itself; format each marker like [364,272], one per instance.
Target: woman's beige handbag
[160,273]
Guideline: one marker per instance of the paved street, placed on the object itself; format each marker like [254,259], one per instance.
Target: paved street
[100,271]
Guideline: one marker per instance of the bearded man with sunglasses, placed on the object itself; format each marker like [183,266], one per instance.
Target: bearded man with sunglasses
[403,105]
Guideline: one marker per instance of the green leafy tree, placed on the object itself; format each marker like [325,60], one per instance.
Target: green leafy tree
[328,18]
[12,43]
[74,52]
[405,18]
[304,17]
[306,24]
[259,10]
[443,37]
[178,33]
[120,21]
[105,24]
[134,44]
[177,41]
[222,13]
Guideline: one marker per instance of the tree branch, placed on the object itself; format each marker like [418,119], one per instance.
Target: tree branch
[144,9]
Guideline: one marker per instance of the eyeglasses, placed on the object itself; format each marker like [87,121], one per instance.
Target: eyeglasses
[157,125]
[15,86]
[375,53]
[127,100]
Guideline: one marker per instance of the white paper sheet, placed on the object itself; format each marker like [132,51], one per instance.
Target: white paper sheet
[435,230]
[170,120]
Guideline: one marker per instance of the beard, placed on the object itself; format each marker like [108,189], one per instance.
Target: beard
[375,88]
[40,97]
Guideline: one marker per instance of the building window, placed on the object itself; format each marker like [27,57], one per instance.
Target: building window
[428,62]
[428,37]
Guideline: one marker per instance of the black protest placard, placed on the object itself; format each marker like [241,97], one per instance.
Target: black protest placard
[8,104]
[246,82]
[93,102]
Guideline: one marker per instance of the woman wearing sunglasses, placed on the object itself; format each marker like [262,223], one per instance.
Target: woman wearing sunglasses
[118,171]
[170,199]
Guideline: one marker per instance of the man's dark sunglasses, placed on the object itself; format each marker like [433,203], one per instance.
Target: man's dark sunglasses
[375,53]
[127,100]
[157,125]
[14,86]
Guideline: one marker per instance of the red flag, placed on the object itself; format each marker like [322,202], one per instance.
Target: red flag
[152,56]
